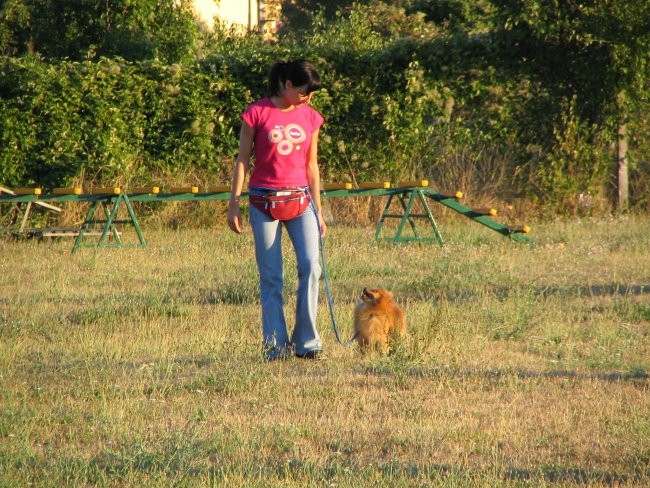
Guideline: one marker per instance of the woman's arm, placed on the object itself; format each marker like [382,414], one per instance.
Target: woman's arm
[242,165]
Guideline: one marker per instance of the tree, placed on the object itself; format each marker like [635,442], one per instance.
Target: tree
[80,29]
[601,52]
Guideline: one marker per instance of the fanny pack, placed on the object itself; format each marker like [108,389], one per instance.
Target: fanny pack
[284,204]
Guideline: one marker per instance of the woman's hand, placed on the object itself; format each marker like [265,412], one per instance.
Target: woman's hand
[322,224]
[234,217]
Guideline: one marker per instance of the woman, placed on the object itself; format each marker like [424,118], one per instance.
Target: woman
[282,130]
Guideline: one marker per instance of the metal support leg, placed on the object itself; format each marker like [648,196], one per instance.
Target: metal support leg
[407,199]
[109,223]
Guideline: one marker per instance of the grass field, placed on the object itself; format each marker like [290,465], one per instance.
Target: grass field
[525,365]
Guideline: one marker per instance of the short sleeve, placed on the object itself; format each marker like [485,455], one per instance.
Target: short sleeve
[250,116]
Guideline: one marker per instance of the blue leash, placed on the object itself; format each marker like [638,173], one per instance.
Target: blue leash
[328,291]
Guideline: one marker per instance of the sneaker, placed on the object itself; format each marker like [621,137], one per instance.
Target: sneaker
[314,355]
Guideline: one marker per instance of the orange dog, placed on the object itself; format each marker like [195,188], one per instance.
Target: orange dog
[377,318]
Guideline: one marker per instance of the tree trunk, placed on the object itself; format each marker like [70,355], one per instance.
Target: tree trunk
[623,182]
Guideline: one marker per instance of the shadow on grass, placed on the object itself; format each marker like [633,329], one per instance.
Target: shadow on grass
[120,464]
[576,475]
[597,290]
[551,474]
[383,368]
[438,372]
[424,291]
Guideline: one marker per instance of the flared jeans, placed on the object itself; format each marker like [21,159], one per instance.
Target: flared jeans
[304,234]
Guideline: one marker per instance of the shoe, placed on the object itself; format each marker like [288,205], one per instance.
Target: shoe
[314,355]
[277,353]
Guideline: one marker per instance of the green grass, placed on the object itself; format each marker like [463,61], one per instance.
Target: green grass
[523,365]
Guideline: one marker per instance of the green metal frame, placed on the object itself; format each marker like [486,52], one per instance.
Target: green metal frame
[109,223]
[407,199]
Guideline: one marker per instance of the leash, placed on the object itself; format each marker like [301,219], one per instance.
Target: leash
[328,291]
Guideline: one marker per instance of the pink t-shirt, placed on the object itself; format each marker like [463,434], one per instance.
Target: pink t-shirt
[281,143]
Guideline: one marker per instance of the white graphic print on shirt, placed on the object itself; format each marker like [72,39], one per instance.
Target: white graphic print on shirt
[287,138]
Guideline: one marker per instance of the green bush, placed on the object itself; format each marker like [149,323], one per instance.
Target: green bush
[111,120]
[441,92]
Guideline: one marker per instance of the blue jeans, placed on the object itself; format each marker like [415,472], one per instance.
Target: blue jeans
[304,234]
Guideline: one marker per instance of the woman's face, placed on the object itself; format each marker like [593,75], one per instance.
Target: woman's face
[296,95]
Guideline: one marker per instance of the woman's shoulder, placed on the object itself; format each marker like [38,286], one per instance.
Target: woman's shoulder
[260,104]
[313,114]
[256,111]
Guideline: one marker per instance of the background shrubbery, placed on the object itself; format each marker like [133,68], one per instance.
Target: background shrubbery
[491,96]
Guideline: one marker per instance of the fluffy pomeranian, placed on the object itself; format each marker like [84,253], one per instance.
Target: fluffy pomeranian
[378,319]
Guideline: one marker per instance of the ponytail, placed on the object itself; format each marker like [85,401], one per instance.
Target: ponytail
[276,78]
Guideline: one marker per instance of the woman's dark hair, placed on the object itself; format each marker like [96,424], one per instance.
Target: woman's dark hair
[299,72]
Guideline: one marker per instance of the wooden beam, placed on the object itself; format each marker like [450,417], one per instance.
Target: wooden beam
[378,184]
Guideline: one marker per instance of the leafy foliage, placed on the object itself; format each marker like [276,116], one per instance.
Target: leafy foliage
[575,171]
[114,121]
[80,29]
[127,91]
